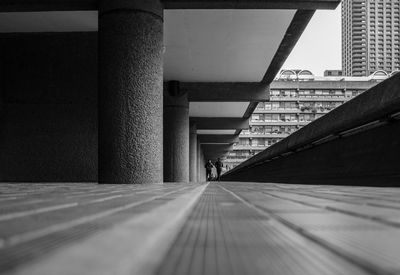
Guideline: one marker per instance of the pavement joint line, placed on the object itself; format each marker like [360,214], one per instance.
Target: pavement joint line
[371,198]
[42,210]
[134,247]
[29,236]
[8,199]
[337,210]
[21,214]
[346,201]
[24,203]
[117,191]
[350,257]
[20,203]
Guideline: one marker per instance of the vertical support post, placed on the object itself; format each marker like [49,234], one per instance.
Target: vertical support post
[193,152]
[176,134]
[130,91]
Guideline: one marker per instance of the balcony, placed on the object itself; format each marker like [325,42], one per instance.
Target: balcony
[310,98]
[285,123]
[265,135]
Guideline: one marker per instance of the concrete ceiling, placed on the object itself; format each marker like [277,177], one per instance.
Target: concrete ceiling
[222,45]
[217,109]
[55,21]
[200,46]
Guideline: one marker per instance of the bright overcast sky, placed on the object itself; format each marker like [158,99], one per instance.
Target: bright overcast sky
[319,48]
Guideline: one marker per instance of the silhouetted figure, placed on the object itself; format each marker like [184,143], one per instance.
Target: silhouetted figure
[218,166]
[208,167]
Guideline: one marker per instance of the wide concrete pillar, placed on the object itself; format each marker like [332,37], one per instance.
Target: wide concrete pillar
[130,91]
[193,152]
[176,134]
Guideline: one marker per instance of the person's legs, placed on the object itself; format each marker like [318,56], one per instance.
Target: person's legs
[218,173]
[208,174]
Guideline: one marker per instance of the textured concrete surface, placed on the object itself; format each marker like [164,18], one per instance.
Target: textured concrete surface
[368,158]
[130,99]
[204,139]
[198,160]
[193,153]
[201,173]
[225,91]
[176,134]
[219,228]
[221,123]
[48,119]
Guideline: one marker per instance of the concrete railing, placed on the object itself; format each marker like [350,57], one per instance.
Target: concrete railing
[370,120]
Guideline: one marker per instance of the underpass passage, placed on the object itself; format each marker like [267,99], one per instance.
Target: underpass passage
[354,144]
[199,228]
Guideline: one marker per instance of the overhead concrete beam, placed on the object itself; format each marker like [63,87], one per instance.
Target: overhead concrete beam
[292,35]
[214,151]
[46,5]
[225,91]
[215,157]
[220,123]
[72,5]
[204,139]
[251,4]
[216,148]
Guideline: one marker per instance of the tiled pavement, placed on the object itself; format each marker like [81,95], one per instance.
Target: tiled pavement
[215,228]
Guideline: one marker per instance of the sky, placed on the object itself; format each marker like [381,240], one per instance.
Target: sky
[319,48]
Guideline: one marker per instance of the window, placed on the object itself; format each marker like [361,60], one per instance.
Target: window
[261,106]
[244,141]
[257,117]
[257,130]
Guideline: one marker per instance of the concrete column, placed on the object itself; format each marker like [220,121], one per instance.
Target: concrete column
[198,160]
[130,91]
[193,152]
[176,134]
[203,163]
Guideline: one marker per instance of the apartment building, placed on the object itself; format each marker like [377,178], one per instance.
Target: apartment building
[296,99]
[370,36]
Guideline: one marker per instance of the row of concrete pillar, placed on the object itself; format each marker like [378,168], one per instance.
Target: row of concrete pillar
[144,134]
[181,148]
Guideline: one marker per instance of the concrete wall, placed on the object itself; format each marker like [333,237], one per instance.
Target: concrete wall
[48,126]
[367,158]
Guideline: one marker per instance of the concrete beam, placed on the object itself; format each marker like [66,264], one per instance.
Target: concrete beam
[225,91]
[220,123]
[251,4]
[71,5]
[45,5]
[216,148]
[292,35]
[204,139]
[215,154]
[215,157]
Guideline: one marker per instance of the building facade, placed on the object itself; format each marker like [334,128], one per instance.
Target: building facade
[333,73]
[296,99]
[370,36]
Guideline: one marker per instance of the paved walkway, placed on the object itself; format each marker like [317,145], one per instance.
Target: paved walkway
[224,228]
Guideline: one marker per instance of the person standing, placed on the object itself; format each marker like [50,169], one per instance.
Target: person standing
[209,166]
[218,166]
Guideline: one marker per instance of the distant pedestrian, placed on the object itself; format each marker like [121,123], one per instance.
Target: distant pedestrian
[209,166]
[218,166]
